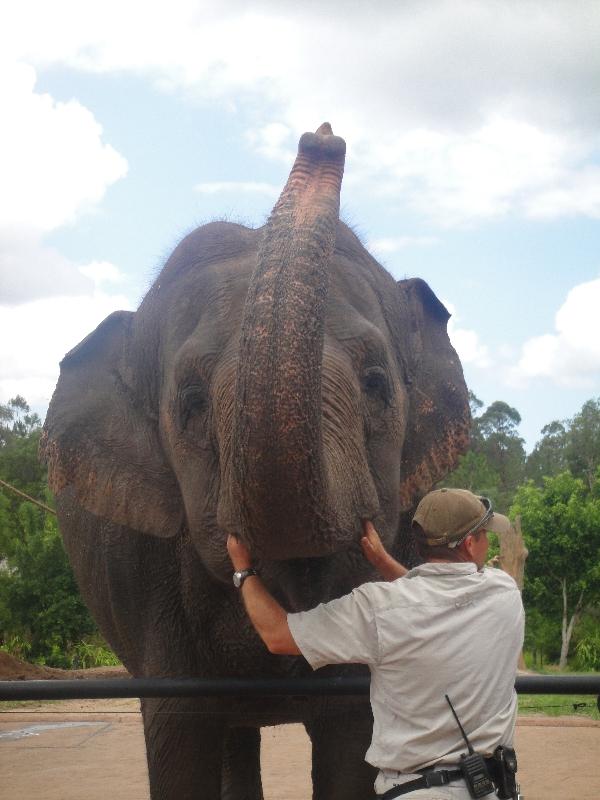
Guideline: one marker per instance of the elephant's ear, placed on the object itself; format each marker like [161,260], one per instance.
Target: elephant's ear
[101,441]
[439,417]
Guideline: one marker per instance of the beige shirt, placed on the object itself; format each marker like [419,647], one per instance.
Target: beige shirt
[444,628]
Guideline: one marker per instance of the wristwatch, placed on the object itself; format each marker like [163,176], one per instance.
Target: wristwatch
[240,577]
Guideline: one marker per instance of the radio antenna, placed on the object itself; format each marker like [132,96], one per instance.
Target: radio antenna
[460,727]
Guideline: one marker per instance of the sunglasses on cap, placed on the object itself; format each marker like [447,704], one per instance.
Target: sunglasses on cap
[489,513]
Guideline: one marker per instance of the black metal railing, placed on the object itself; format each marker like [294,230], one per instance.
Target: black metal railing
[191,687]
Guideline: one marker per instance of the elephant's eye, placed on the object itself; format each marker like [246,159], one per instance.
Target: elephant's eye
[193,400]
[376,384]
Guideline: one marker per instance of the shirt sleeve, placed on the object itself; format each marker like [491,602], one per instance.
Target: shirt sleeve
[339,632]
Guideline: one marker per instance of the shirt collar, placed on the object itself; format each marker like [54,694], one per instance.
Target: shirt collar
[442,568]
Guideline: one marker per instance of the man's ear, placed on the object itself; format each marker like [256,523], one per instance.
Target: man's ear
[467,546]
[470,543]
[100,439]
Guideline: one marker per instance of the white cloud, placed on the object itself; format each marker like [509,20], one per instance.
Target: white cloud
[53,162]
[570,356]
[577,194]
[502,166]
[247,187]
[274,140]
[470,350]
[34,337]
[30,270]
[54,167]
[461,110]
[102,272]
[392,244]
[466,342]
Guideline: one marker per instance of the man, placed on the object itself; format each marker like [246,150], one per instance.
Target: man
[448,627]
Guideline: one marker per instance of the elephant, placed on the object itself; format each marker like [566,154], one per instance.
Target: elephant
[279,384]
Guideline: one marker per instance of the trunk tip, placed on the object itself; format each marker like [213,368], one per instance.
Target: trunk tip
[325,129]
[322,145]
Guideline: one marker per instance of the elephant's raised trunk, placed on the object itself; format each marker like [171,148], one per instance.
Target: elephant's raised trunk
[277,458]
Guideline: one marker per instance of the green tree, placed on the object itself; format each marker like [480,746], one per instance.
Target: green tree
[583,442]
[475,404]
[542,636]
[40,607]
[549,456]
[494,464]
[499,441]
[571,444]
[16,419]
[475,474]
[38,594]
[561,527]
[587,641]
[19,466]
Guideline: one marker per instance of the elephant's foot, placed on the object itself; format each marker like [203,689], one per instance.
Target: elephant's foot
[184,750]
[339,743]
[241,765]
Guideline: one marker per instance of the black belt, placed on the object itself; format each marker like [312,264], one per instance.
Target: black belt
[437,777]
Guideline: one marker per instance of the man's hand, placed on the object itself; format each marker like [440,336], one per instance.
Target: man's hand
[376,553]
[372,545]
[238,553]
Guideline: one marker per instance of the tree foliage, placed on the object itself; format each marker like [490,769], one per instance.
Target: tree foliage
[561,526]
[559,510]
[583,442]
[571,444]
[494,464]
[41,613]
[549,456]
[496,437]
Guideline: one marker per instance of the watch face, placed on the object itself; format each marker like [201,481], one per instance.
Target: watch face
[240,577]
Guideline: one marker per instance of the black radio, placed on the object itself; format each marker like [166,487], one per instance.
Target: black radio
[476,775]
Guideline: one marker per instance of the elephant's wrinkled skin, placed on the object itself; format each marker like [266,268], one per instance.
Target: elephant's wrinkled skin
[277,383]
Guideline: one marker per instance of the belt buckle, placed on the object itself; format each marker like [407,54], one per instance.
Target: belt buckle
[437,777]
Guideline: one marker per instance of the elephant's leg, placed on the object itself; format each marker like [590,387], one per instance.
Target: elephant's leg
[184,750]
[241,765]
[339,743]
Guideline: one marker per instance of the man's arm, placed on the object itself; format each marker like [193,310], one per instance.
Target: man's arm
[376,553]
[267,616]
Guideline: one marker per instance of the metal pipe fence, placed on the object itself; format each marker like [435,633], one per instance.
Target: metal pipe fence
[190,687]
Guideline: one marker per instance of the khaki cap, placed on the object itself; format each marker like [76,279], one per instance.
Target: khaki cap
[447,516]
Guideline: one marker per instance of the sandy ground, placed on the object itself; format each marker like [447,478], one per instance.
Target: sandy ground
[94,749]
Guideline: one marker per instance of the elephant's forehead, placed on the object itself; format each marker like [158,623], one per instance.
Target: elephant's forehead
[354,309]
[209,306]
[357,335]
[360,283]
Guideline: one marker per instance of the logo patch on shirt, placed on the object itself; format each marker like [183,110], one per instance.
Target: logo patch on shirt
[465,600]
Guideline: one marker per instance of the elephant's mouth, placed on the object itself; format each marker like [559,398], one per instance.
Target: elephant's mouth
[302,583]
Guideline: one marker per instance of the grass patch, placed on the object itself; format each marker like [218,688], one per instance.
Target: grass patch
[559,705]
[24,705]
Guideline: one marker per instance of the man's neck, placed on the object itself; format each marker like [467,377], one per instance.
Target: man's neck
[460,558]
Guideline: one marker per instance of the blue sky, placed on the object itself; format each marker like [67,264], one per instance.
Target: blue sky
[473,162]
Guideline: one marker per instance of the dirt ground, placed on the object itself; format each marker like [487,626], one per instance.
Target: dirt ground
[93,749]
[13,669]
